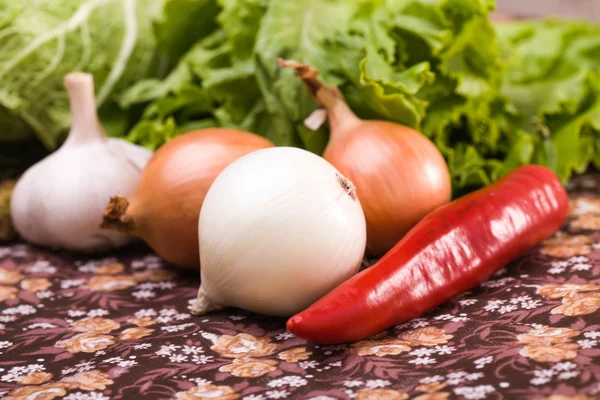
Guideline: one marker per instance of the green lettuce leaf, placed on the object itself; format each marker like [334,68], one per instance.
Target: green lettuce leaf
[491,98]
[182,23]
[392,96]
[425,64]
[241,23]
[221,69]
[575,134]
[552,80]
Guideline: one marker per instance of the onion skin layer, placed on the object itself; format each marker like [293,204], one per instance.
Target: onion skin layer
[399,173]
[165,207]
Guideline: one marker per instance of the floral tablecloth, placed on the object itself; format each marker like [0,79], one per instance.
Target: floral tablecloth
[119,328]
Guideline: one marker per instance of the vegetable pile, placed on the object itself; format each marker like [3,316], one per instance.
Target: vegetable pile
[294,137]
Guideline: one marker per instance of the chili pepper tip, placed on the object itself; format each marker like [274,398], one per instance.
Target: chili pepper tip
[293,322]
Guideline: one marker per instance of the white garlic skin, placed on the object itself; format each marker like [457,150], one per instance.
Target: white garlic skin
[59,201]
[277,231]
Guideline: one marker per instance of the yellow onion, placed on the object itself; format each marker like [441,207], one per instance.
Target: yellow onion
[165,206]
[399,174]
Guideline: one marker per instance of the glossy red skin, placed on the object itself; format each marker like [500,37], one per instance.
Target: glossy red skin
[452,249]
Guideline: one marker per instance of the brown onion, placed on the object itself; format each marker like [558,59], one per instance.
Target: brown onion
[165,206]
[399,174]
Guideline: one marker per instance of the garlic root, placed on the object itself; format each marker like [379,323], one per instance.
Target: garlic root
[202,305]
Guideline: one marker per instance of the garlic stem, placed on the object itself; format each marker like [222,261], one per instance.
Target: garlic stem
[116,217]
[85,125]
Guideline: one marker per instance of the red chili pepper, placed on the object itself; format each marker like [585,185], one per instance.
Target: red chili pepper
[451,250]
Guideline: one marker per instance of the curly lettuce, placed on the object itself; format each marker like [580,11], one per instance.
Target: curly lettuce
[490,97]
[389,58]
[553,81]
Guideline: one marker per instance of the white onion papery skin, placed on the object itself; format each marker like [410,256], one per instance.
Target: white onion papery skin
[279,228]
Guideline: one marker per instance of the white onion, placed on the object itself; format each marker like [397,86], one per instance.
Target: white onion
[279,228]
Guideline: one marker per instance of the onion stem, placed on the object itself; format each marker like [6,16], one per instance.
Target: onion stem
[341,118]
[116,217]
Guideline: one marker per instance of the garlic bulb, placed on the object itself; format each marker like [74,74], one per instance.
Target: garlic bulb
[278,229]
[59,201]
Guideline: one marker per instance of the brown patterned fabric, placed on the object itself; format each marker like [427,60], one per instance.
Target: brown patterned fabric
[118,328]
